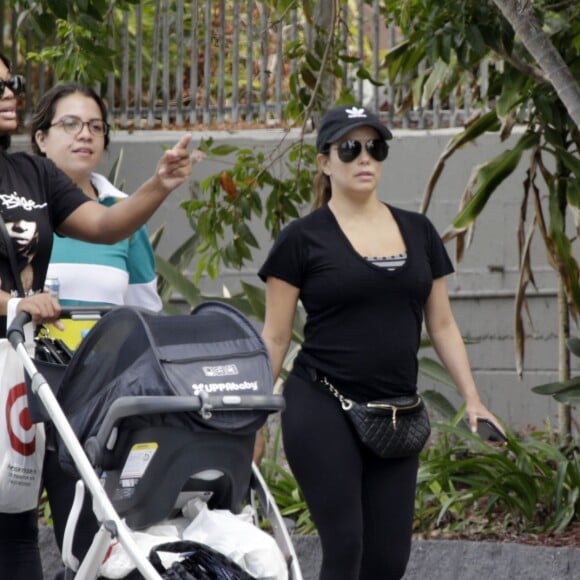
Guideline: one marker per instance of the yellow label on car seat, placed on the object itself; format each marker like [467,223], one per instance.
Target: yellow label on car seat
[137,462]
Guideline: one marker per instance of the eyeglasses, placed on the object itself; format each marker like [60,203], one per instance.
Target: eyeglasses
[74,125]
[350,149]
[16,84]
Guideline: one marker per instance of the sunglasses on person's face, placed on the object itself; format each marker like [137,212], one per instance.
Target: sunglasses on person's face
[350,149]
[15,84]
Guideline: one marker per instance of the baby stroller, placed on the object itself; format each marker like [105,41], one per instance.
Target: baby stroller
[154,409]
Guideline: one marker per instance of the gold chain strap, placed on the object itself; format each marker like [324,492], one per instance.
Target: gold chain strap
[345,403]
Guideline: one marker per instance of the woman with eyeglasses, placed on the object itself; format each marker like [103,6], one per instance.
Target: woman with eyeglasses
[366,273]
[34,191]
[69,127]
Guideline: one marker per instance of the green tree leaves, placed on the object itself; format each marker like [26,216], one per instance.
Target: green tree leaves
[76,36]
[228,203]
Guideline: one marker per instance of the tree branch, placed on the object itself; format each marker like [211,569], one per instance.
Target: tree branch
[519,14]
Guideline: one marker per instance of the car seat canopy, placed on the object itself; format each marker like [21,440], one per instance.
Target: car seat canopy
[131,353]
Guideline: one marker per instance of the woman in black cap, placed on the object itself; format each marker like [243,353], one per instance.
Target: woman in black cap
[366,273]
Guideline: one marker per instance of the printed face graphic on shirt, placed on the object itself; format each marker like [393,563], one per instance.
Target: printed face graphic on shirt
[22,231]
[22,227]
[25,234]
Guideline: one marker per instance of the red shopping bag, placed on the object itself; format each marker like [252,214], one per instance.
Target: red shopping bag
[21,441]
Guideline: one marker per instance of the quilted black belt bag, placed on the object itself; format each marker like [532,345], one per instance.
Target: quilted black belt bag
[391,427]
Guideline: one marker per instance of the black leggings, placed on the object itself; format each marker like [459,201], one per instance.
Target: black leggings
[362,505]
[19,551]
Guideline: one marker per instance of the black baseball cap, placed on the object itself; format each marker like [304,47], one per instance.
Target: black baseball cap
[339,121]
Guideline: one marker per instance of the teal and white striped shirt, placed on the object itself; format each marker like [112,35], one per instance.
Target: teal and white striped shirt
[117,274]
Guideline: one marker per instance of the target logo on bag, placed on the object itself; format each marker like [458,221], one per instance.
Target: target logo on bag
[18,421]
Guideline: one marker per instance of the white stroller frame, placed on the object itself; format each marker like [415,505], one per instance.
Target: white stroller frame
[111,526]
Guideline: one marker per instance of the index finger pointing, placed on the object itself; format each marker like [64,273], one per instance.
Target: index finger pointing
[183,142]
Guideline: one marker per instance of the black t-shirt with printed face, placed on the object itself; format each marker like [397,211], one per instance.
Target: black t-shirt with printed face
[363,325]
[35,198]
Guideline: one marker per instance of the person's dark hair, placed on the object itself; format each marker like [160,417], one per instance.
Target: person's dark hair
[5,60]
[43,115]
[5,139]
[322,191]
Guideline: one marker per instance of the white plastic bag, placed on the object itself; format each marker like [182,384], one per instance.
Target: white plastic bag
[240,540]
[21,441]
[118,563]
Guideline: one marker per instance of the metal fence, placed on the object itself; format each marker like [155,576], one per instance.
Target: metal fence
[221,63]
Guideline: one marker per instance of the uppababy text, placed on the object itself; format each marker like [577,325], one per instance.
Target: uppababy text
[229,386]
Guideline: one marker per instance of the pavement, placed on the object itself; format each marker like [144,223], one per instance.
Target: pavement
[430,560]
[460,560]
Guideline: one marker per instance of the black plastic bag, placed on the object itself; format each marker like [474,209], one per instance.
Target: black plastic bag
[200,563]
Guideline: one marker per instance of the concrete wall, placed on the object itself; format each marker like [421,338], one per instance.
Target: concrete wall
[482,290]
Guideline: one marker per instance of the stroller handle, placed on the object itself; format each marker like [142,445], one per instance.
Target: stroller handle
[92,313]
[15,332]
[85,312]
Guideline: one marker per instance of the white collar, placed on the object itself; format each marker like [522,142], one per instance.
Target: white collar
[105,188]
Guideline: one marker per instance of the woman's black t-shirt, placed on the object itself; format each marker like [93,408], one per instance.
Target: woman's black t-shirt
[35,198]
[364,322]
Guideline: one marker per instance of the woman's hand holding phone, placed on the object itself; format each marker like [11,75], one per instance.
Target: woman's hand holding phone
[489,431]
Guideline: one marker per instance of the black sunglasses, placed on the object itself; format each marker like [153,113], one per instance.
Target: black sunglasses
[350,149]
[15,84]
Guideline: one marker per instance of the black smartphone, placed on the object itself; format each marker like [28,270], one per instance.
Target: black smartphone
[488,431]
